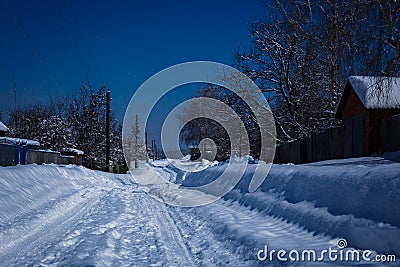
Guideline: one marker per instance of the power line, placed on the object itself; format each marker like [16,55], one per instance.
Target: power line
[72,41]
[77,45]
[85,41]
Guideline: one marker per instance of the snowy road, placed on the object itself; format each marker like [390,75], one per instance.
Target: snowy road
[117,224]
[119,227]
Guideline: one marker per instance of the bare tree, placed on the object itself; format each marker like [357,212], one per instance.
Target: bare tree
[302,56]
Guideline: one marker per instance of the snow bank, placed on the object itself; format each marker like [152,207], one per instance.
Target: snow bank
[24,189]
[186,164]
[235,159]
[357,199]
[394,156]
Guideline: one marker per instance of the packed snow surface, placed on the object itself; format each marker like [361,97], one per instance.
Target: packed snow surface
[70,216]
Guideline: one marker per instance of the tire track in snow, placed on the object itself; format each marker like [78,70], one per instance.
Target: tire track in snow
[175,247]
[127,228]
[144,233]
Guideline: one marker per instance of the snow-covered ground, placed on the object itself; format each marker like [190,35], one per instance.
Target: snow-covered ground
[66,215]
[358,199]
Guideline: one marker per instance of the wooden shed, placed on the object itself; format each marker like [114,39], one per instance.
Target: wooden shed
[78,155]
[364,103]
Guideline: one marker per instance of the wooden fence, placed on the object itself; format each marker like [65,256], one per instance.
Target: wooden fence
[48,157]
[11,154]
[320,146]
[8,154]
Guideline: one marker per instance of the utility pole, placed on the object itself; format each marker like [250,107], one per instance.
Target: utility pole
[155,149]
[145,140]
[108,100]
[147,152]
[15,103]
[152,149]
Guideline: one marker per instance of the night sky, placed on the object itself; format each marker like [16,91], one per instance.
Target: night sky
[52,47]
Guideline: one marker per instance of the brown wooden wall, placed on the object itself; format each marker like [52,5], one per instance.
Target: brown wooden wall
[353,107]
[373,118]
[373,128]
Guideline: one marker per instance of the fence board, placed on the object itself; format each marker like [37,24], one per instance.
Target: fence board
[335,143]
[390,138]
[7,155]
[358,138]
[320,145]
[48,157]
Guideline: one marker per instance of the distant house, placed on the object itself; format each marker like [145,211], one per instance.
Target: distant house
[3,129]
[364,103]
[76,153]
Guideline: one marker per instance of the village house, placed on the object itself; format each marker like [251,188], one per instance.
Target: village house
[365,102]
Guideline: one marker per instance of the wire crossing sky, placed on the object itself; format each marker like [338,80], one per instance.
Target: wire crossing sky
[52,47]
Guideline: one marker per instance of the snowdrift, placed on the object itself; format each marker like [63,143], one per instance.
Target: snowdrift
[357,199]
[25,189]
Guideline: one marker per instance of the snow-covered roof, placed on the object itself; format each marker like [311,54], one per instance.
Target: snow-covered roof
[373,92]
[74,150]
[11,140]
[3,128]
[377,92]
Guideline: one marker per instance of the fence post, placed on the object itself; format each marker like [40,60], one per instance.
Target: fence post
[24,154]
[17,154]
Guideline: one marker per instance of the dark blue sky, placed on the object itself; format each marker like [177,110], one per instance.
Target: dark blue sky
[128,40]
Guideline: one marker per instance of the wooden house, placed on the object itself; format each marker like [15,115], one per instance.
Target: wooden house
[364,103]
[76,153]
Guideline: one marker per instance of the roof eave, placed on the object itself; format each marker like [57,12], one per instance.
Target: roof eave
[343,100]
